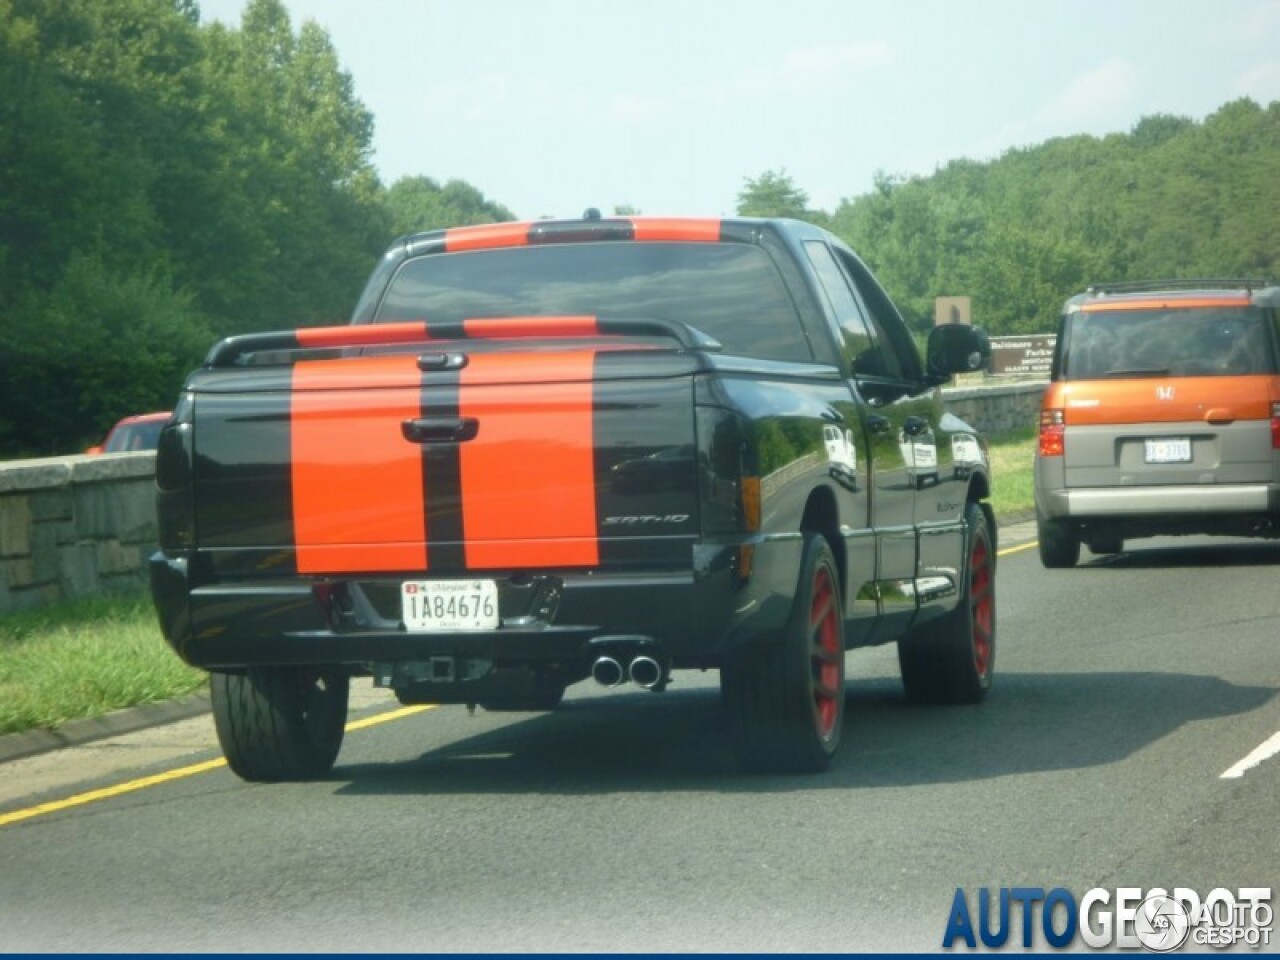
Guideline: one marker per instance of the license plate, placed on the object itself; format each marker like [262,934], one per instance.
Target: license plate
[434,606]
[1169,450]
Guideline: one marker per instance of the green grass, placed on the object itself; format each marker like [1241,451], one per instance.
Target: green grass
[1012,469]
[85,658]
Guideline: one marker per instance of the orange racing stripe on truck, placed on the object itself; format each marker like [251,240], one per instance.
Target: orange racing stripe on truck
[528,477]
[486,237]
[357,484]
[672,228]
[351,335]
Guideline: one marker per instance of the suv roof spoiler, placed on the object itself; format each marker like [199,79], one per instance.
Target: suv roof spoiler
[1142,286]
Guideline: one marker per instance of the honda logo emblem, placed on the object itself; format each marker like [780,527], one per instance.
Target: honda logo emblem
[1164,393]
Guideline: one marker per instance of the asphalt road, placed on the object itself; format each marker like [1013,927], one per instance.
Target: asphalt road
[1125,689]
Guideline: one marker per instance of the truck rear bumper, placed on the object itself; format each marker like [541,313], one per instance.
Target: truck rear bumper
[694,616]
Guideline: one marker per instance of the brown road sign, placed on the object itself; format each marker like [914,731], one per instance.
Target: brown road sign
[1031,354]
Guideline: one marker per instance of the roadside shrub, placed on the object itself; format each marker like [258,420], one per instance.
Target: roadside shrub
[101,345]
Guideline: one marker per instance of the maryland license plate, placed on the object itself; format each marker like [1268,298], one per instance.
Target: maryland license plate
[435,606]
[1168,450]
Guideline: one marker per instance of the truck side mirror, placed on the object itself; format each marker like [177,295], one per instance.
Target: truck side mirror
[955,348]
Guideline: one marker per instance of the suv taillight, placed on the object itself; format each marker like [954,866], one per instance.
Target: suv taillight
[1052,433]
[1275,426]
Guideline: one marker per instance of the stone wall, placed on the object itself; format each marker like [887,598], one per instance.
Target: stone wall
[994,409]
[73,526]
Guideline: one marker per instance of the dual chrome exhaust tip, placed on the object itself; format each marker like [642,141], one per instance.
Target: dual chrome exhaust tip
[644,671]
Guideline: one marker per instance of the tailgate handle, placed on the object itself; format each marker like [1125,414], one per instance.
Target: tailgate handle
[440,429]
[1220,415]
[441,361]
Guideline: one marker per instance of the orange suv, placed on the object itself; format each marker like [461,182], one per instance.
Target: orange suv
[1162,417]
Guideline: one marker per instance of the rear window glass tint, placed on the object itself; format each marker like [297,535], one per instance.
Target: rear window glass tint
[1170,342]
[134,436]
[733,292]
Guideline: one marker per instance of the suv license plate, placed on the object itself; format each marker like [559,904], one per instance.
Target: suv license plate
[1169,450]
[434,606]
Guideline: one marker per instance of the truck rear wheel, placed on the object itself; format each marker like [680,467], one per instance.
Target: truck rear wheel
[786,701]
[951,659]
[279,723]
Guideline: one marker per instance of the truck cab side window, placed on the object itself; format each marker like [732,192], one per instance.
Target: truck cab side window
[856,341]
[900,354]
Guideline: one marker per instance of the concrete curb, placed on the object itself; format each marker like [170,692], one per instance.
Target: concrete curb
[14,746]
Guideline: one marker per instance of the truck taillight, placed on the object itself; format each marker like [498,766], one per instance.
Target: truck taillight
[1275,426]
[175,514]
[1052,433]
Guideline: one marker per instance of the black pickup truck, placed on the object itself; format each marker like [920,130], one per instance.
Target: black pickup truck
[609,448]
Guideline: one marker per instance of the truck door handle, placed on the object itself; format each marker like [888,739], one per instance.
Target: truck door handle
[878,424]
[914,426]
[440,429]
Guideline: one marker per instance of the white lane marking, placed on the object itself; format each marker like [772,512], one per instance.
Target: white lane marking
[1268,748]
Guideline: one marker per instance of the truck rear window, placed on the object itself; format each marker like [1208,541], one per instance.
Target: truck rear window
[733,292]
[1167,342]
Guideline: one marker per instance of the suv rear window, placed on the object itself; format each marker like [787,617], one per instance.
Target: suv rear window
[1166,342]
[134,436]
[733,292]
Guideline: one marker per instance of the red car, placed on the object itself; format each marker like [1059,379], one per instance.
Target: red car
[141,432]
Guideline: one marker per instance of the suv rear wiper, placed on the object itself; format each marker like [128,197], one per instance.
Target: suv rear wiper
[1139,372]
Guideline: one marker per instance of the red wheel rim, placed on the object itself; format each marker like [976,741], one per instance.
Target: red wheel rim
[826,657]
[981,604]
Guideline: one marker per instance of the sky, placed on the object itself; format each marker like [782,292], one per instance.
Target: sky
[670,106]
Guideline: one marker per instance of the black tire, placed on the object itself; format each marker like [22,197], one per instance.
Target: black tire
[1106,545]
[786,700]
[1059,546]
[952,659]
[280,723]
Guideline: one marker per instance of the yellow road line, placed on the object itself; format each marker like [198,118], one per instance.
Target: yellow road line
[1018,549]
[105,793]
[387,717]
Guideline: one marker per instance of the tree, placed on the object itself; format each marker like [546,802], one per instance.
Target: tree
[1021,234]
[102,343]
[414,204]
[773,194]
[165,183]
[294,146]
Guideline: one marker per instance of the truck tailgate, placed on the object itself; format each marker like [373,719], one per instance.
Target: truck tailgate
[512,458]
